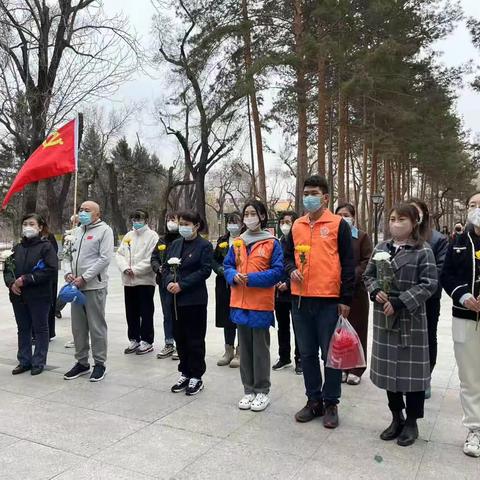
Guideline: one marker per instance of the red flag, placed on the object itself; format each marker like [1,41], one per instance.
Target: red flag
[56,156]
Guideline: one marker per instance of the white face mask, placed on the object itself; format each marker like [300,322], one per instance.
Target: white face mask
[474,217]
[251,223]
[234,229]
[285,228]
[172,226]
[349,220]
[30,232]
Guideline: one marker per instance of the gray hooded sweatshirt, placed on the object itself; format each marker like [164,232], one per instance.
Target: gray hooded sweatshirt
[92,254]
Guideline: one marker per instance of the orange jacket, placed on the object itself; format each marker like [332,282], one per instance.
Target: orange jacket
[321,267]
[259,260]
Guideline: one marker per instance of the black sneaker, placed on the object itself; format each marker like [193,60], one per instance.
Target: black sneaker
[77,371]
[98,373]
[58,315]
[298,368]
[281,364]
[20,369]
[195,385]
[181,385]
[37,370]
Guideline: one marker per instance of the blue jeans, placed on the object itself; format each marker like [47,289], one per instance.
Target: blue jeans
[32,318]
[167,316]
[315,323]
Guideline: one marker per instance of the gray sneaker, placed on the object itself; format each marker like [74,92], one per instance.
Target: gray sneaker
[175,355]
[166,351]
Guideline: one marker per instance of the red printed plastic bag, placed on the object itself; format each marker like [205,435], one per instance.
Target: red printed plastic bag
[345,351]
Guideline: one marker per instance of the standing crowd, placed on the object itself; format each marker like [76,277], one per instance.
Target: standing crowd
[319,268]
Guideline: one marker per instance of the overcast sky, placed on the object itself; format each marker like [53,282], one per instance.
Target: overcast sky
[454,51]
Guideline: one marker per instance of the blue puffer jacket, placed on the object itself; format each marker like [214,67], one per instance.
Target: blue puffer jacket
[266,279]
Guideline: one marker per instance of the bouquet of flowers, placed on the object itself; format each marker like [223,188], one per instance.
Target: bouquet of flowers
[174,264]
[385,275]
[238,243]
[162,248]
[7,263]
[128,243]
[302,251]
[223,248]
[68,241]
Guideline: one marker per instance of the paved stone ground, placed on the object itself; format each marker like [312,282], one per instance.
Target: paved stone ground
[131,425]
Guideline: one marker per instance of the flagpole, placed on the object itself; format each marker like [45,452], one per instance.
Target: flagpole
[78,138]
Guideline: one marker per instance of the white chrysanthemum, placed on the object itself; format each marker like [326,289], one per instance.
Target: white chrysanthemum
[381,256]
[4,254]
[174,261]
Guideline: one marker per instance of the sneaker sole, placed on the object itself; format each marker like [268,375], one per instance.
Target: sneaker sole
[175,359]
[472,454]
[129,352]
[179,391]
[257,409]
[94,380]
[143,352]
[191,394]
[86,372]
[282,367]
[244,407]
[161,356]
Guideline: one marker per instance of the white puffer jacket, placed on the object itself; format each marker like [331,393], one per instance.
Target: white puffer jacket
[135,253]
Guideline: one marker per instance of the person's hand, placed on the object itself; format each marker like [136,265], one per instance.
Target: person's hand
[343,310]
[381,297]
[241,279]
[388,309]
[69,278]
[282,287]
[174,288]
[79,282]
[472,304]
[16,290]
[297,276]
[129,272]
[19,282]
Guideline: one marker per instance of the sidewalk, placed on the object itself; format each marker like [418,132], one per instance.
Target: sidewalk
[131,426]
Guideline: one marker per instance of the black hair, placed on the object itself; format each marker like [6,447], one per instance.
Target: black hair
[170,215]
[471,196]
[259,208]
[347,206]
[192,216]
[235,217]
[287,213]
[317,181]
[410,211]
[139,213]
[425,230]
[42,223]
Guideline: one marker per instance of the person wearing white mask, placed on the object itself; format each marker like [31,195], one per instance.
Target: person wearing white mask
[133,259]
[187,266]
[253,266]
[235,227]
[362,250]
[158,257]
[29,274]
[283,304]
[461,280]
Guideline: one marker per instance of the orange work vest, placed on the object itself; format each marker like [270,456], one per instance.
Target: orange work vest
[321,270]
[259,260]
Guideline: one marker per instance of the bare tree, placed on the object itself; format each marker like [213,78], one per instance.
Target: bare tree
[55,56]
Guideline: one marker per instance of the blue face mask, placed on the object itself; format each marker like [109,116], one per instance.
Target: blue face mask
[312,203]
[85,218]
[185,231]
[138,225]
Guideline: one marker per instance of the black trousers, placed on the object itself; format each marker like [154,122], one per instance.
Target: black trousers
[229,334]
[282,313]
[139,308]
[433,314]
[415,403]
[189,330]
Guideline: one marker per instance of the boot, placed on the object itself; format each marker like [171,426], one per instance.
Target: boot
[227,356]
[395,428]
[409,433]
[235,363]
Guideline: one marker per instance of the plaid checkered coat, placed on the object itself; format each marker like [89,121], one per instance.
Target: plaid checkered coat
[400,358]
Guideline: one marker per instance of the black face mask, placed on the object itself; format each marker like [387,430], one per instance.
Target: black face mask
[458,230]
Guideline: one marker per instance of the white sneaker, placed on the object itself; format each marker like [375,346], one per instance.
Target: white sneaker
[70,344]
[144,348]
[472,444]
[344,377]
[246,402]
[353,379]
[260,403]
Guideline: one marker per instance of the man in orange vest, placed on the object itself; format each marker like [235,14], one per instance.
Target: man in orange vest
[320,261]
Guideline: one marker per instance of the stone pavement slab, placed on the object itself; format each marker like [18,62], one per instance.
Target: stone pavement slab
[131,426]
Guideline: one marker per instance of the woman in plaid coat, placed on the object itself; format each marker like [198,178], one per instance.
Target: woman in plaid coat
[400,277]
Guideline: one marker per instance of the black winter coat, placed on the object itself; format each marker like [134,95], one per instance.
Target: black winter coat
[195,267]
[38,282]
[158,257]
[439,245]
[461,272]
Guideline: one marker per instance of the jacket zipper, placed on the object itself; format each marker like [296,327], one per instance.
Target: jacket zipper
[473,276]
[78,252]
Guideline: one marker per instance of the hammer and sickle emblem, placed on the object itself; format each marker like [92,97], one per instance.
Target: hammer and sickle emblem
[53,140]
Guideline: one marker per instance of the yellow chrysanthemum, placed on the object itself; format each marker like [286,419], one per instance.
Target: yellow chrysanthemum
[162,247]
[127,241]
[302,248]
[477,254]
[237,243]
[223,245]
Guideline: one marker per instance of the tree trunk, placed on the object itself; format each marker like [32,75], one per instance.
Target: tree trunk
[373,189]
[363,215]
[56,203]
[388,191]
[119,223]
[321,115]
[253,98]
[342,137]
[201,206]
[301,90]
